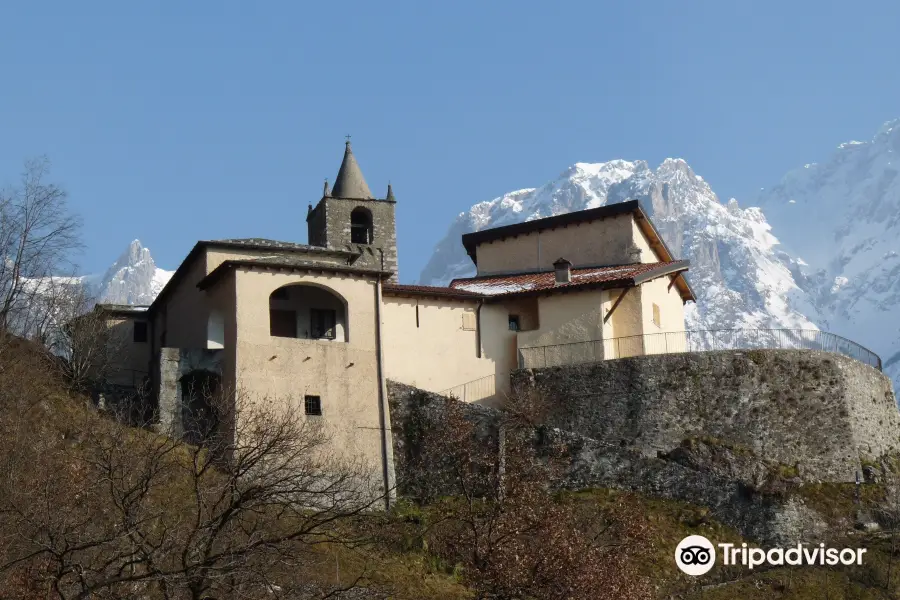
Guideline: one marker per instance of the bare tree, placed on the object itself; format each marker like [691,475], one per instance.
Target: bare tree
[84,343]
[127,513]
[505,523]
[38,237]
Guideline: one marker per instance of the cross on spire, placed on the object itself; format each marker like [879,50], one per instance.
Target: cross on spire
[348,139]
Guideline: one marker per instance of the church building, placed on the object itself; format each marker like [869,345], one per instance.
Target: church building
[325,324]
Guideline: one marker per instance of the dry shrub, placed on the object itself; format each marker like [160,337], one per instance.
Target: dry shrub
[92,509]
[513,534]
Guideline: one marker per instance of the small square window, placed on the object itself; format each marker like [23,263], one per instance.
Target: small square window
[313,405]
[140,332]
[656,319]
[514,323]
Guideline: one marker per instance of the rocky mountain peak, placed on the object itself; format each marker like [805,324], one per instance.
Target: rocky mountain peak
[133,279]
[741,280]
[835,263]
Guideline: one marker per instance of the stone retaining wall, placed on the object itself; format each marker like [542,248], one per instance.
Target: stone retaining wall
[819,411]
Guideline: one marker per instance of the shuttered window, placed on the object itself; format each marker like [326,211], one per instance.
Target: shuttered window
[282,323]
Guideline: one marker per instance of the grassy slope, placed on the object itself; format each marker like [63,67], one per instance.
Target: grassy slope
[408,568]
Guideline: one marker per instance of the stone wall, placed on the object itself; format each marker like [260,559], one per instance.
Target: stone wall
[329,226]
[173,364]
[741,491]
[817,411]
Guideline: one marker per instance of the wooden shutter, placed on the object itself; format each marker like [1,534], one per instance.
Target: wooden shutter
[282,323]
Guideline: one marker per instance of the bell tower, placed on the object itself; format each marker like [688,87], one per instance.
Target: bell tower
[348,217]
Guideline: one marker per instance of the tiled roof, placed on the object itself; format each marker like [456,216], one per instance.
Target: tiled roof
[265,243]
[428,290]
[122,308]
[615,276]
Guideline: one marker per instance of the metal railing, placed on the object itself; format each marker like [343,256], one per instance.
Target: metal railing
[475,390]
[693,341]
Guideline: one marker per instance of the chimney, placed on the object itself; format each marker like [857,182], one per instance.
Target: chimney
[633,252]
[563,271]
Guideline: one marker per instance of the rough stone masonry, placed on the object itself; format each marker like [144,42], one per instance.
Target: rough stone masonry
[821,412]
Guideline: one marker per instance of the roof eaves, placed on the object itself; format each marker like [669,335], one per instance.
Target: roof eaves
[572,287]
[123,309]
[220,271]
[301,248]
[677,268]
[203,244]
[176,277]
[434,293]
[655,239]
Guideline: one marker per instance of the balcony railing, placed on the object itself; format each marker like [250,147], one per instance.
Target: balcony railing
[693,341]
[483,388]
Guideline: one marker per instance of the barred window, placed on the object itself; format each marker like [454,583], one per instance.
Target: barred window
[313,405]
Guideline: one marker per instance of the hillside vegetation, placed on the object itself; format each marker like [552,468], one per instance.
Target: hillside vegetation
[90,508]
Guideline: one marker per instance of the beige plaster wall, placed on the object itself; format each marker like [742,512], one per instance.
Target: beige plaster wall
[185,317]
[627,325]
[437,354]
[284,370]
[528,311]
[648,255]
[221,301]
[182,320]
[571,329]
[671,312]
[130,360]
[600,242]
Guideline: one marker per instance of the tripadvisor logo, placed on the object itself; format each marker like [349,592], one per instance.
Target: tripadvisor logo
[696,555]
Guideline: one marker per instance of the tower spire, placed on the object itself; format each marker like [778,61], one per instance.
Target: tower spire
[350,182]
[326,192]
[390,194]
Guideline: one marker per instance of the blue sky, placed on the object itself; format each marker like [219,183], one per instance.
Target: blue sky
[177,121]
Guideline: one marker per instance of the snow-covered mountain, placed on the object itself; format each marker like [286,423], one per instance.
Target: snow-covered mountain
[841,219]
[133,279]
[741,278]
[834,265]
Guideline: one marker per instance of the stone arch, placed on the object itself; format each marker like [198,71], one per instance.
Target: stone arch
[309,311]
[361,226]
